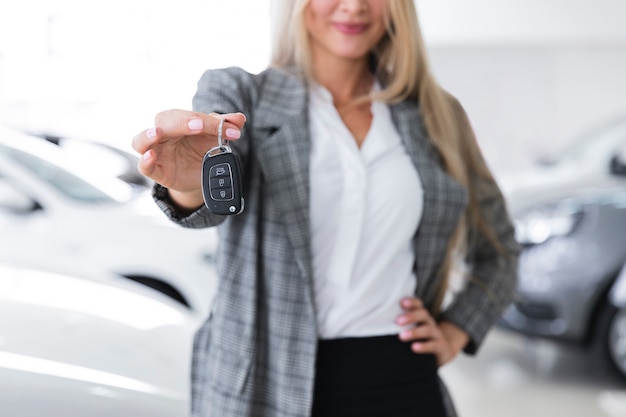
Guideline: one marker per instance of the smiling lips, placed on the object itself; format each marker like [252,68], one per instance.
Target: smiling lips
[351,28]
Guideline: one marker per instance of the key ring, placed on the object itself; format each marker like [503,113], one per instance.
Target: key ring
[219,134]
[222,146]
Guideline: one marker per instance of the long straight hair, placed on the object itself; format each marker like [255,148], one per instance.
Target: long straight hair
[402,65]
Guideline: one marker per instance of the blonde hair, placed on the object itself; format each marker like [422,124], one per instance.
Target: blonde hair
[402,66]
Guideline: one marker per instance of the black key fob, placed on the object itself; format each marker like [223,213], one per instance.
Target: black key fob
[221,180]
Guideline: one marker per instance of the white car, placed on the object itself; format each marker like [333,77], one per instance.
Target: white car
[55,208]
[90,344]
[585,165]
[104,157]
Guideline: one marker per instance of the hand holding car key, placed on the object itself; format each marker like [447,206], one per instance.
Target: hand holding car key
[221,179]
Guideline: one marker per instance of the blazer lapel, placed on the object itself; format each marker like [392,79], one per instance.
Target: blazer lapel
[283,147]
[444,199]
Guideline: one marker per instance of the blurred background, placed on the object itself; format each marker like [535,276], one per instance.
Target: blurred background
[99,294]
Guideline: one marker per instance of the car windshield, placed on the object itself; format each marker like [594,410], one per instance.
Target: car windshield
[62,180]
[598,142]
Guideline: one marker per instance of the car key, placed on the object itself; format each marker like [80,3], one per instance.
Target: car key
[221,178]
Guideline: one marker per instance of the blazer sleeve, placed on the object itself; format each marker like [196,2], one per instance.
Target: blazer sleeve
[222,91]
[492,280]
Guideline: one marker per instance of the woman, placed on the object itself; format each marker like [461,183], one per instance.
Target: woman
[364,186]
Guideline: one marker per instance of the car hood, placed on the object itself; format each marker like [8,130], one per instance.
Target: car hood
[136,350]
[141,210]
[543,186]
[141,215]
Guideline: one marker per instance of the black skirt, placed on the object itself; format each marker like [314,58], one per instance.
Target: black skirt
[375,377]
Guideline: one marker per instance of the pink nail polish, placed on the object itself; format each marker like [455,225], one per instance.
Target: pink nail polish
[195,124]
[150,133]
[232,133]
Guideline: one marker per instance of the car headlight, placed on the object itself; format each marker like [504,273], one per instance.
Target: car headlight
[540,224]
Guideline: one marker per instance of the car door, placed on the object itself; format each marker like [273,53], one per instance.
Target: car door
[24,223]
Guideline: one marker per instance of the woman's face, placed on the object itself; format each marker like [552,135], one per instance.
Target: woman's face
[345,29]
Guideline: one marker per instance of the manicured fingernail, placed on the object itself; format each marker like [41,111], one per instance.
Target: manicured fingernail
[405,334]
[401,320]
[244,116]
[416,347]
[146,156]
[150,133]
[232,133]
[195,124]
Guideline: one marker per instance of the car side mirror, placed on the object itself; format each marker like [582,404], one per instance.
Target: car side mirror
[618,166]
[14,200]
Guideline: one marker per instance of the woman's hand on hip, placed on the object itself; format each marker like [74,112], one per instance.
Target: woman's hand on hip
[172,150]
[443,339]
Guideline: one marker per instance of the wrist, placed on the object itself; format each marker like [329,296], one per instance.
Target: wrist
[186,200]
[457,338]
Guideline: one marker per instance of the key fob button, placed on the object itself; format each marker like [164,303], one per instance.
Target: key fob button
[220,170]
[222,188]
[221,194]
[220,182]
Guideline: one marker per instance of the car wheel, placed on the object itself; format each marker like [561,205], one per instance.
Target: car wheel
[617,340]
[611,338]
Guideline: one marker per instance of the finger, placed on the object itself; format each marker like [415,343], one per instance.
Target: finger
[178,123]
[424,331]
[408,303]
[238,119]
[425,347]
[144,140]
[147,163]
[233,123]
[420,315]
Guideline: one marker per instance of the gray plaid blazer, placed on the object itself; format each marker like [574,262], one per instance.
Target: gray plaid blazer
[255,354]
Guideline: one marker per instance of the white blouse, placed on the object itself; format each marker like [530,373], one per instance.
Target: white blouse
[366,205]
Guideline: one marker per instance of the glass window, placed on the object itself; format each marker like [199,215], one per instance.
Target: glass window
[62,180]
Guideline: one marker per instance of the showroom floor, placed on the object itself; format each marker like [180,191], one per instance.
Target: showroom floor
[516,377]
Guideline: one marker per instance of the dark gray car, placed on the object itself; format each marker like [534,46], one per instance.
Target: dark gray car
[571,220]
